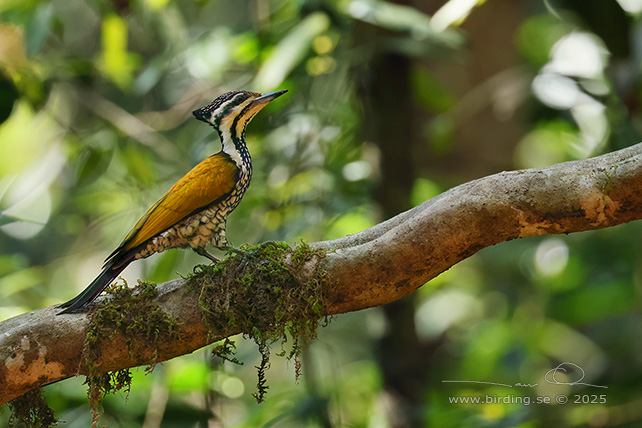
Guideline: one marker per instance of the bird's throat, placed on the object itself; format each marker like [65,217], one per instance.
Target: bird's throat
[234,146]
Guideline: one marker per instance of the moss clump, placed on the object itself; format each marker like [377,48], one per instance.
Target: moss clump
[225,351]
[31,411]
[133,314]
[269,293]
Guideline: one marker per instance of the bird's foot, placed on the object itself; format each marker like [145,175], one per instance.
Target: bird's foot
[243,253]
[248,254]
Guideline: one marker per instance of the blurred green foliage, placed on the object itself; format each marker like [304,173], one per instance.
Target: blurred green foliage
[95,125]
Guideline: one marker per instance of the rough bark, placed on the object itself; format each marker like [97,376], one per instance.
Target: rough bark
[370,268]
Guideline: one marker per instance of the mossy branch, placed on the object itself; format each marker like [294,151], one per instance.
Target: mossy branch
[373,267]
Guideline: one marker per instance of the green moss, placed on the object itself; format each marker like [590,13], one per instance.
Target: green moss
[133,314]
[31,411]
[225,350]
[264,293]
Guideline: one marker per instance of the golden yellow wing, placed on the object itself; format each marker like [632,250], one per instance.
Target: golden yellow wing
[208,181]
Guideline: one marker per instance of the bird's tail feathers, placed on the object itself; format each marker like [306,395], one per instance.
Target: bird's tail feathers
[92,291]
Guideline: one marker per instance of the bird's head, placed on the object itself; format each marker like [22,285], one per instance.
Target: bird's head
[232,111]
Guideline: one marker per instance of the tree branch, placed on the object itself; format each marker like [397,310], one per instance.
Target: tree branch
[370,268]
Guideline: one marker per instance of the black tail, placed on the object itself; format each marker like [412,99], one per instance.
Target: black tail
[92,291]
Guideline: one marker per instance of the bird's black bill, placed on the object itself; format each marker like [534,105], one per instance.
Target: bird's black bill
[266,98]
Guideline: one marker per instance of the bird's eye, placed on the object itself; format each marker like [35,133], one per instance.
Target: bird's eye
[239,98]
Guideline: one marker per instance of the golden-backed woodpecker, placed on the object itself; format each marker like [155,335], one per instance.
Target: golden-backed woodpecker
[193,212]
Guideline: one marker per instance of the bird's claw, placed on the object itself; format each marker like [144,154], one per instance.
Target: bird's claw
[199,268]
[245,255]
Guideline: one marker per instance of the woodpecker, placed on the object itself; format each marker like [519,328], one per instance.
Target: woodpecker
[193,212]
